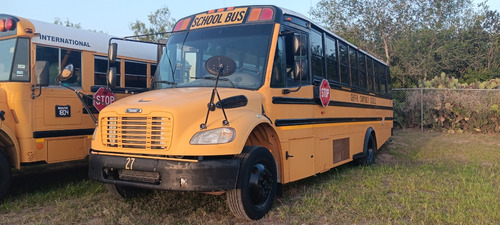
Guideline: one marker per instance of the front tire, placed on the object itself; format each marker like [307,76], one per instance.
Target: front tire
[5,175]
[256,185]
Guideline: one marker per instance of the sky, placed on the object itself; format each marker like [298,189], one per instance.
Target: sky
[114,17]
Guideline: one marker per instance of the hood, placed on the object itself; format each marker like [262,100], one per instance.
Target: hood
[181,100]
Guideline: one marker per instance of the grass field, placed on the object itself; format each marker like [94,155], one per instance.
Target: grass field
[422,178]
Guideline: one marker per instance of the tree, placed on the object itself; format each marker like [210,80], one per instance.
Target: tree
[67,23]
[418,38]
[159,21]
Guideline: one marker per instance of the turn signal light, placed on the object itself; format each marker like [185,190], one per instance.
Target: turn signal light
[2,25]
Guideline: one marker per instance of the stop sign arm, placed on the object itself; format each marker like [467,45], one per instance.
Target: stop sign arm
[79,94]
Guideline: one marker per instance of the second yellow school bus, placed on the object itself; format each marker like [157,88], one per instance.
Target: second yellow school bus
[301,101]
[42,122]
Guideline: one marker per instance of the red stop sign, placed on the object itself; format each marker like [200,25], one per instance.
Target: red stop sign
[324,92]
[104,97]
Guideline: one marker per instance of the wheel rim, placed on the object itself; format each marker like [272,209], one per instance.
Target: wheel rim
[261,184]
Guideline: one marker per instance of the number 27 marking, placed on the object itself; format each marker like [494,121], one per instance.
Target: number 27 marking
[130,163]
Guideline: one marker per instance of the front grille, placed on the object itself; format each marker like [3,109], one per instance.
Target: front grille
[148,132]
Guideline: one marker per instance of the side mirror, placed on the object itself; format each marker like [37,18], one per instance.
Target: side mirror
[66,73]
[298,45]
[111,77]
[220,65]
[299,71]
[42,73]
[112,51]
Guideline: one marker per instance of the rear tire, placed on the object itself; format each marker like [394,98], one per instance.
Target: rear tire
[124,192]
[369,152]
[256,185]
[5,175]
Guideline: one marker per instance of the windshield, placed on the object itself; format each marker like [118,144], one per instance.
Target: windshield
[6,54]
[14,57]
[187,53]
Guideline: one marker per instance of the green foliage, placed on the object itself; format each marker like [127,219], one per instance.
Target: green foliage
[420,38]
[453,111]
[444,81]
[159,22]
[481,76]
[67,23]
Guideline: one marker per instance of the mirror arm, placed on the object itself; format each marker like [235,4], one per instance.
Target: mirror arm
[288,91]
[79,94]
[33,88]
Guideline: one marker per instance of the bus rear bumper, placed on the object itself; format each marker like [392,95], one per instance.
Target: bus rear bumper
[203,176]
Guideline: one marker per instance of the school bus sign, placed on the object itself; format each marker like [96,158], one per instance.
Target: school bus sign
[211,19]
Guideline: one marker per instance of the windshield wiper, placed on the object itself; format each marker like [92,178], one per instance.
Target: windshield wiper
[215,78]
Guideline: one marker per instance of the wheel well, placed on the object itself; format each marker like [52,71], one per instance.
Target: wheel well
[371,132]
[8,148]
[265,136]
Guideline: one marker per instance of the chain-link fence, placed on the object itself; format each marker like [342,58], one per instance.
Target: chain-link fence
[452,110]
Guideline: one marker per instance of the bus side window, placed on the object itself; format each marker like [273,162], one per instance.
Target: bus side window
[100,69]
[75,58]
[344,64]
[353,61]
[135,74]
[371,79]
[52,55]
[317,55]
[332,65]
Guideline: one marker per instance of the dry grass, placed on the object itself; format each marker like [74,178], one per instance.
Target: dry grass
[424,178]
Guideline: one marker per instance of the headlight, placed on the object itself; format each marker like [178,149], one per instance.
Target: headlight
[215,136]
[93,134]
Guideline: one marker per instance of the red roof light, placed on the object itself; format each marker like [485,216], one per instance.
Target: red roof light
[261,14]
[10,24]
[267,14]
[182,24]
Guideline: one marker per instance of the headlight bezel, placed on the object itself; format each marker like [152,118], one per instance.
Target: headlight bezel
[221,135]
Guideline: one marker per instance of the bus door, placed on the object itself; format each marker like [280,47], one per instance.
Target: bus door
[292,105]
[59,113]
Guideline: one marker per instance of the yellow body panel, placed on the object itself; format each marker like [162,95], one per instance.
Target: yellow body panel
[187,109]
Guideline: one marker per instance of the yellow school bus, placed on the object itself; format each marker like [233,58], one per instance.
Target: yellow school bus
[42,121]
[245,99]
